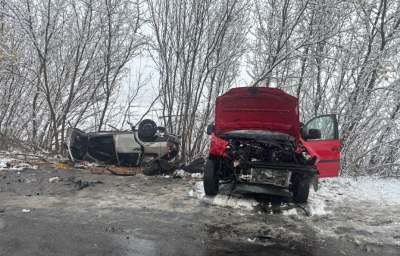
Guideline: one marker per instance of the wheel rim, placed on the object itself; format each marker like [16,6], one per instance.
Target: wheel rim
[147,129]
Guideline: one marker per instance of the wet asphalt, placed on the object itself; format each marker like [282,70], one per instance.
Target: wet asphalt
[142,215]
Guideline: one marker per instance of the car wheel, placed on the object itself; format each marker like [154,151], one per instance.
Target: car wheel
[147,128]
[211,181]
[301,189]
[195,166]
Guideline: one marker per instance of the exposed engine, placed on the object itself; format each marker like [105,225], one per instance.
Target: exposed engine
[270,151]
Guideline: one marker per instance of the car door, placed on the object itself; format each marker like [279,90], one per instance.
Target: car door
[328,146]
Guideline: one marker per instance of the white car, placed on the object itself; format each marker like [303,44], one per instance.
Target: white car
[138,147]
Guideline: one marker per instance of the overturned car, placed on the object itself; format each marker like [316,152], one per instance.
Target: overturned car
[138,147]
[258,143]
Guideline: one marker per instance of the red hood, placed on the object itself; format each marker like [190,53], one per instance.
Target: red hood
[257,108]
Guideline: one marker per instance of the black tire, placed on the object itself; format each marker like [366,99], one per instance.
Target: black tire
[197,165]
[158,167]
[147,128]
[211,181]
[301,189]
[165,166]
[153,169]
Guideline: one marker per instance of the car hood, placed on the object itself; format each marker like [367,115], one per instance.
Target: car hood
[254,108]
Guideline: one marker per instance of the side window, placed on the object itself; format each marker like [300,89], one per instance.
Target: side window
[325,124]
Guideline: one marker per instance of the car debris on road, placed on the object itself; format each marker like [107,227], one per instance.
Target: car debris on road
[79,185]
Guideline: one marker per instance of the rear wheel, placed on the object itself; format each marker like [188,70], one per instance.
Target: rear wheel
[301,189]
[211,181]
[147,128]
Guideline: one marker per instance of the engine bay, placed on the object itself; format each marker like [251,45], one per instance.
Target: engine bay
[242,150]
[246,153]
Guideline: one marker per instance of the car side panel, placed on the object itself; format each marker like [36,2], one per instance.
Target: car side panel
[126,143]
[329,152]
[328,146]
[155,148]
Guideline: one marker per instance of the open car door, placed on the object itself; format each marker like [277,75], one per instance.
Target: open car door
[327,146]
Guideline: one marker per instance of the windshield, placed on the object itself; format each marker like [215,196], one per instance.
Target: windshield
[252,133]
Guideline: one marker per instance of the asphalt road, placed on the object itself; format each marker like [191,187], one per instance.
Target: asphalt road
[142,215]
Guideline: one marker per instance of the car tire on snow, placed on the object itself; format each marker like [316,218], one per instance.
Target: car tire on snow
[195,166]
[147,128]
[301,190]
[211,181]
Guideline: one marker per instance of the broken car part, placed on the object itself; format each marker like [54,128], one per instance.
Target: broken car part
[196,166]
[79,185]
[159,166]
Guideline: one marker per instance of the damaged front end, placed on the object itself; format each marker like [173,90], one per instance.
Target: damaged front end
[263,162]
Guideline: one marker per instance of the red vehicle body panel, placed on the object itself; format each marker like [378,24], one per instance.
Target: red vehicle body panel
[329,152]
[218,146]
[310,150]
[265,109]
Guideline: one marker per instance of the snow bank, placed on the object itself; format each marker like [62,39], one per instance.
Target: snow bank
[385,192]
[221,199]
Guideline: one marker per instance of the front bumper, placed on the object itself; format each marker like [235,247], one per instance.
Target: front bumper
[307,169]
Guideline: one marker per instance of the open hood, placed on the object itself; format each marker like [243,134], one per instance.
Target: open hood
[256,108]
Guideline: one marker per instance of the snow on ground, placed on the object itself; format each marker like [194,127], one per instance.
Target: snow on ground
[378,191]
[184,174]
[289,212]
[316,206]
[179,173]
[382,191]
[197,175]
[4,160]
[222,199]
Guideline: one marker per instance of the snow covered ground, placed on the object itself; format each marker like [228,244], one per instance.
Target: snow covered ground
[17,164]
[18,167]
[223,199]
[378,191]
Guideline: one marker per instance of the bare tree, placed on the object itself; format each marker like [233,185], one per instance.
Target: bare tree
[74,56]
[197,47]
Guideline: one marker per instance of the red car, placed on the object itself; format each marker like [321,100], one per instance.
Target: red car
[258,142]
